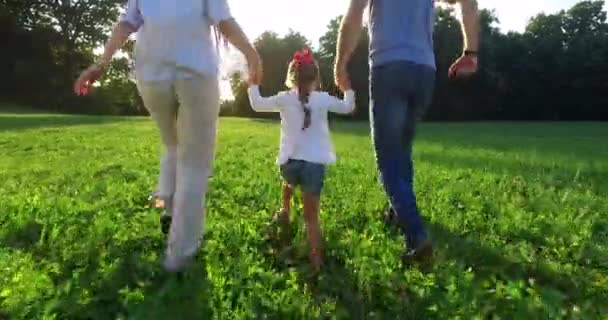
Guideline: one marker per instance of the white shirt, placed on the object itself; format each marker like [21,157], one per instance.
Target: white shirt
[312,144]
[174,36]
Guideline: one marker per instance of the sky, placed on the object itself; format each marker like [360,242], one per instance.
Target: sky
[311,17]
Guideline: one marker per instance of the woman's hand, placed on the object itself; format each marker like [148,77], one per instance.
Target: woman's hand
[256,72]
[87,78]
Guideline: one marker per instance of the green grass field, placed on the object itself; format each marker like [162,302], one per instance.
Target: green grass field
[519,214]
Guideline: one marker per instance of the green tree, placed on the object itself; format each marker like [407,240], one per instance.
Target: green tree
[80,27]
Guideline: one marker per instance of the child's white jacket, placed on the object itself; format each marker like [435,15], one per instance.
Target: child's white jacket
[312,144]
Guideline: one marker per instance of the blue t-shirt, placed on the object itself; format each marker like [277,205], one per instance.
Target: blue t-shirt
[401,30]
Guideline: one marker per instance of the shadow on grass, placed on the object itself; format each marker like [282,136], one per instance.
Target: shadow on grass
[13,122]
[358,299]
[555,175]
[118,278]
[580,140]
[489,265]
[488,262]
[336,283]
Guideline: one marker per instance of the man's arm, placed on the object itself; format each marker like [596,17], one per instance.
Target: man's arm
[350,31]
[467,63]
[470,24]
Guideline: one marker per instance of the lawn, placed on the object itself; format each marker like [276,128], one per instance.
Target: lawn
[518,213]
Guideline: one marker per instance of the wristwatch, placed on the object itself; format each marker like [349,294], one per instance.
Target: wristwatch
[470,53]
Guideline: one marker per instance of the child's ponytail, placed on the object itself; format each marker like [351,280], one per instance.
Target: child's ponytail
[303,73]
[304,95]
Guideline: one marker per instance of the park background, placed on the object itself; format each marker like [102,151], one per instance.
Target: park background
[511,177]
[553,68]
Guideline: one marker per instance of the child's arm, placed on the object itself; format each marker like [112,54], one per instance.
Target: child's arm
[345,106]
[262,104]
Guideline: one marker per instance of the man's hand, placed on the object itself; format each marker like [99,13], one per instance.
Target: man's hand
[465,66]
[348,37]
[341,76]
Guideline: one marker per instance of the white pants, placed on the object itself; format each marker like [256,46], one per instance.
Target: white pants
[186,113]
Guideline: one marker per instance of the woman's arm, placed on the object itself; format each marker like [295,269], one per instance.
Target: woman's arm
[235,35]
[120,33]
[128,24]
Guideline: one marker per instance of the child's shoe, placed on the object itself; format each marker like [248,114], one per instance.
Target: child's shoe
[316,260]
[282,217]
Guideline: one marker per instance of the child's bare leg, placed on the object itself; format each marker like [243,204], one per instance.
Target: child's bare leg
[287,195]
[311,216]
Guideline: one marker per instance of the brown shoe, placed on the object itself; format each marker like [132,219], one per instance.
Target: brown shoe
[390,217]
[421,255]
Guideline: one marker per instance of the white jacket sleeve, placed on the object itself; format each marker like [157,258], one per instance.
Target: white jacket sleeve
[262,104]
[132,15]
[218,11]
[345,106]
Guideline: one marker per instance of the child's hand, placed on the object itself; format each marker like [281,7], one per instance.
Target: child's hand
[87,78]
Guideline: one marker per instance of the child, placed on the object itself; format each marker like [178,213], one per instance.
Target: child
[176,65]
[305,146]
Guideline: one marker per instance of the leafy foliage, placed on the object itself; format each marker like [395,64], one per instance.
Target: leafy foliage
[557,69]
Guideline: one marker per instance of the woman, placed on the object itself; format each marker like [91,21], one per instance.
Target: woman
[176,67]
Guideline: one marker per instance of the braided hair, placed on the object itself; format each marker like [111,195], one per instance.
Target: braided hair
[303,75]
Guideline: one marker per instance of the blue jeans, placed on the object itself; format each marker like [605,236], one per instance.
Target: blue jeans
[400,95]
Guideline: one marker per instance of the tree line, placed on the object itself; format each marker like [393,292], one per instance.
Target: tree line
[556,69]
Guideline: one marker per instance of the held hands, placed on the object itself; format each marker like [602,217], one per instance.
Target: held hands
[342,79]
[341,76]
[87,78]
[465,66]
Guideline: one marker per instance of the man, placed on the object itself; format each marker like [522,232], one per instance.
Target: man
[402,76]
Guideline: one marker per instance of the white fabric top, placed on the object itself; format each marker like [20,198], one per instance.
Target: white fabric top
[312,144]
[174,36]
